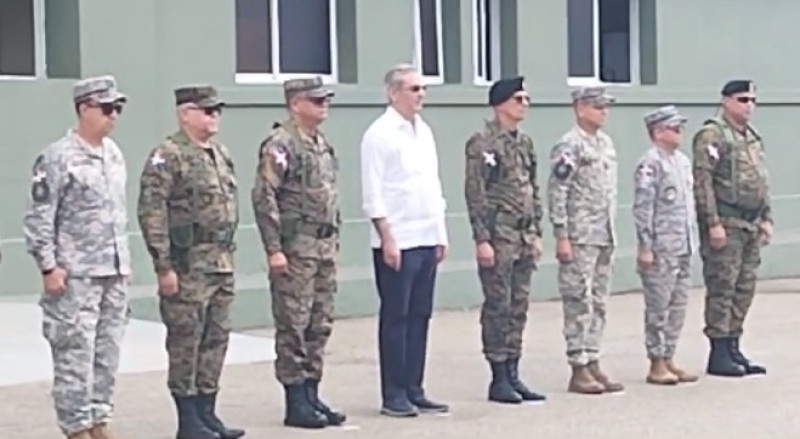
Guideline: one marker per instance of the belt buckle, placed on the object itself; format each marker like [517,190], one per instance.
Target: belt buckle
[324,231]
[220,235]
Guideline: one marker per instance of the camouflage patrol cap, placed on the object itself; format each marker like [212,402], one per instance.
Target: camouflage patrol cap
[204,96]
[309,86]
[667,115]
[102,89]
[593,95]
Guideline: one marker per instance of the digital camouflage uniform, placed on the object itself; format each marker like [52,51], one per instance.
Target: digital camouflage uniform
[296,204]
[188,213]
[502,197]
[663,216]
[582,199]
[730,188]
[76,220]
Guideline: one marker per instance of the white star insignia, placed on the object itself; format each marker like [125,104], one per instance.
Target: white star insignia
[157,160]
[489,159]
[712,150]
[280,157]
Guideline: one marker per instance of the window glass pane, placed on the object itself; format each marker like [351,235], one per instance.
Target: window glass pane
[480,40]
[17,44]
[580,38]
[615,41]
[430,37]
[488,41]
[253,36]
[305,30]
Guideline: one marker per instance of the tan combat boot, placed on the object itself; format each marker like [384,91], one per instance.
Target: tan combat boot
[583,382]
[608,385]
[683,376]
[660,374]
[85,434]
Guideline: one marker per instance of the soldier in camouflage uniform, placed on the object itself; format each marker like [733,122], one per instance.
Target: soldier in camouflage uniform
[505,214]
[663,216]
[75,229]
[734,218]
[188,213]
[582,198]
[296,204]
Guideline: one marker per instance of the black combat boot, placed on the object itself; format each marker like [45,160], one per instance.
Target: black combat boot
[513,377]
[299,411]
[738,357]
[500,389]
[206,408]
[720,362]
[189,424]
[312,391]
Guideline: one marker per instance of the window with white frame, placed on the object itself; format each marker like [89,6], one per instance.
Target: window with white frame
[21,39]
[428,55]
[486,40]
[281,39]
[602,41]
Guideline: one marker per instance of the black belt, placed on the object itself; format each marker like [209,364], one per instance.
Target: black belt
[517,222]
[727,210]
[211,235]
[319,231]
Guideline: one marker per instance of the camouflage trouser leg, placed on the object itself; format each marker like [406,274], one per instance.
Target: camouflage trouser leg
[302,308]
[85,327]
[198,327]
[584,285]
[506,292]
[730,275]
[666,291]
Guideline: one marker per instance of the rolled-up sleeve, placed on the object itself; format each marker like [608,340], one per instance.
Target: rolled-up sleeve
[372,169]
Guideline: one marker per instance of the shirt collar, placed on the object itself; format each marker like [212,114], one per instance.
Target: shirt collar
[398,120]
[84,145]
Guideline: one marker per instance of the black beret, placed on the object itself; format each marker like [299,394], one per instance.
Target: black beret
[503,89]
[738,86]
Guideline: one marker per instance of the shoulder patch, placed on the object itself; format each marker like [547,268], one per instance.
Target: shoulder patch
[40,189]
[645,174]
[564,164]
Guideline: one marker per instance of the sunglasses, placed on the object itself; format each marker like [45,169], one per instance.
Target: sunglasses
[522,99]
[209,111]
[319,100]
[746,99]
[108,108]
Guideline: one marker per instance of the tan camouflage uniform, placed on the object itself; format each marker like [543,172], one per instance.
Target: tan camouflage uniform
[188,212]
[296,204]
[582,198]
[76,220]
[731,187]
[663,214]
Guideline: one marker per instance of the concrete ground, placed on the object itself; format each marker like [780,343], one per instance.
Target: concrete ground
[714,408]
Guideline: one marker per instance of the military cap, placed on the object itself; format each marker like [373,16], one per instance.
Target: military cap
[667,115]
[503,89]
[738,86]
[204,96]
[595,95]
[310,86]
[102,89]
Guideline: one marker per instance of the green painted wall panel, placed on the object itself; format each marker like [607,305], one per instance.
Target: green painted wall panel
[157,48]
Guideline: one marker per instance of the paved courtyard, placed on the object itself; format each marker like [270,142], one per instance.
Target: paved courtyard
[714,408]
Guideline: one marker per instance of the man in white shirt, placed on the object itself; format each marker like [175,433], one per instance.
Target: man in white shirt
[402,196]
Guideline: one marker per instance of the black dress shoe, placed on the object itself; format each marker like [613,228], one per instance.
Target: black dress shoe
[399,408]
[425,405]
